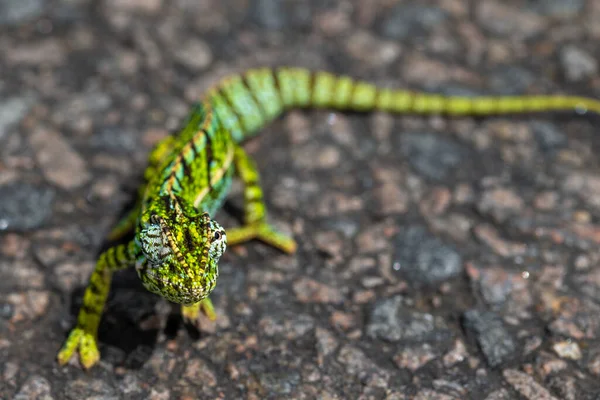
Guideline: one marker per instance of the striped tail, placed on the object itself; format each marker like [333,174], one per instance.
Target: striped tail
[244,103]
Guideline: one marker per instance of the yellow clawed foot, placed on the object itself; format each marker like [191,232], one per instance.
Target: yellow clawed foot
[82,342]
[190,313]
[263,232]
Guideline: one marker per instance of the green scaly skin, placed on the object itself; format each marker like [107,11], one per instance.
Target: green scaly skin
[177,244]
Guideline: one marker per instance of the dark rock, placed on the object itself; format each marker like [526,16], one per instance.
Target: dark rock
[35,387]
[511,80]
[577,63]
[269,14]
[391,320]
[114,139]
[557,8]
[24,206]
[548,136]
[14,12]
[12,110]
[407,20]
[423,258]
[493,338]
[431,155]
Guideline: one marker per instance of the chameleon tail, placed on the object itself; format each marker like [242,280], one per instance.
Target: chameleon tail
[246,102]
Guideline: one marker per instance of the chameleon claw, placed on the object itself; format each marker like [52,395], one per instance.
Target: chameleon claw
[190,313]
[263,232]
[82,342]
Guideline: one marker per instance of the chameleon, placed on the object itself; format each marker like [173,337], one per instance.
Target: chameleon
[177,243]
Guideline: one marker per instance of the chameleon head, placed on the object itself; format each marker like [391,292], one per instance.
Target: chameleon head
[181,256]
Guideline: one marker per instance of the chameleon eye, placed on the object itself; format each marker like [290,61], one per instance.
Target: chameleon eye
[217,235]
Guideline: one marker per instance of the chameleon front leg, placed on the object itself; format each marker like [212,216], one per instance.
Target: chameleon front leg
[255,212]
[83,338]
[157,156]
[190,313]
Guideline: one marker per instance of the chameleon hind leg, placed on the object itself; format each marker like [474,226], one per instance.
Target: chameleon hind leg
[83,338]
[255,213]
[162,149]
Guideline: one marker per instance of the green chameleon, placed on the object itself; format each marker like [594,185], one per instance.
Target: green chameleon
[177,244]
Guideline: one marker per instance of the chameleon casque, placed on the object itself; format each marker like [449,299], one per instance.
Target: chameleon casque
[177,244]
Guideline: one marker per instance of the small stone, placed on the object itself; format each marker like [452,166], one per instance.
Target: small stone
[195,54]
[391,320]
[325,343]
[71,275]
[358,364]
[12,110]
[35,387]
[501,394]
[114,140]
[414,358]
[557,8]
[577,63]
[59,162]
[144,6]
[526,385]
[24,207]
[548,136]
[409,19]
[86,388]
[17,12]
[567,387]
[423,258]
[310,291]
[567,349]
[500,203]
[370,50]
[391,198]
[577,319]
[495,284]
[457,355]
[431,155]
[496,343]
[490,236]
[510,80]
[199,373]
[28,305]
[502,19]
[46,52]
[269,14]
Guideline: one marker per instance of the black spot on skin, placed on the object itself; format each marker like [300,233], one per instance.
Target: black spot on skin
[189,241]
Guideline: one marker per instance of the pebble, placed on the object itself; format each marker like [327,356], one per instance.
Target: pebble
[59,162]
[577,63]
[35,387]
[431,155]
[12,110]
[495,341]
[392,321]
[548,136]
[423,258]
[358,364]
[24,206]
[14,12]
[526,385]
[28,305]
[311,291]
[269,14]
[410,19]
[558,8]
[413,358]
[195,54]
[567,349]
[502,19]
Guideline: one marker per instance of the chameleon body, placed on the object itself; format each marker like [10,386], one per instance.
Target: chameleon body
[177,244]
